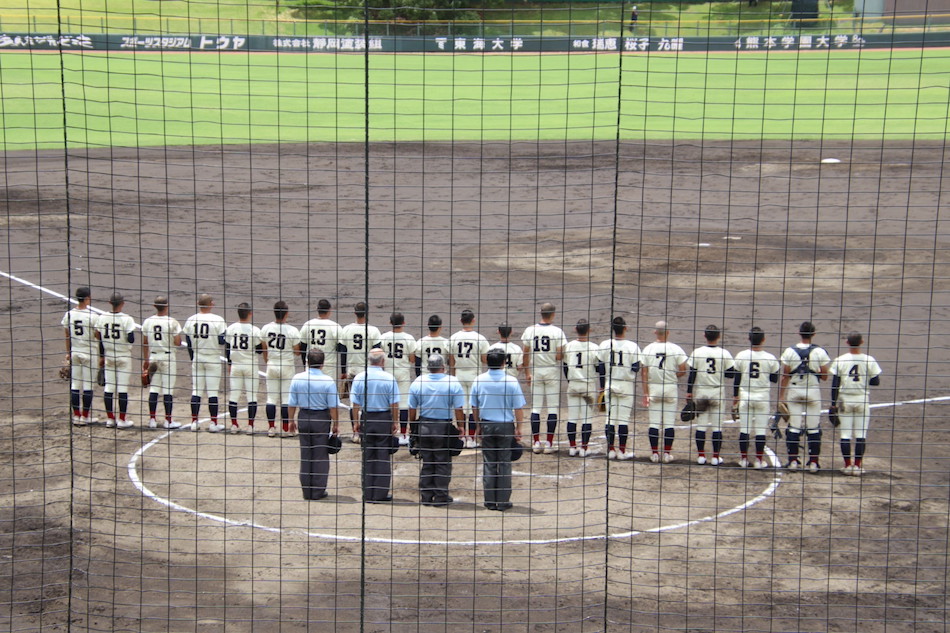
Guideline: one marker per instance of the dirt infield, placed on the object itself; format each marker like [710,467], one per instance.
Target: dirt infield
[142,530]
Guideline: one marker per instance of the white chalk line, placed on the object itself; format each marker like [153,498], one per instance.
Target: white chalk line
[133,475]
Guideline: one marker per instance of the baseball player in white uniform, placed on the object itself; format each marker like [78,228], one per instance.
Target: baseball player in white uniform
[543,352]
[243,343]
[581,358]
[711,372]
[204,335]
[664,363]
[468,353]
[803,367]
[756,371]
[400,348]
[283,345]
[357,339]
[621,358]
[117,334]
[432,343]
[161,337]
[324,334]
[82,354]
[514,354]
[852,376]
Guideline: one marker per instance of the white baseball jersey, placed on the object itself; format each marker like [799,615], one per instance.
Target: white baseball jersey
[804,375]
[205,330]
[243,339]
[468,347]
[428,345]
[81,324]
[755,367]
[400,348]
[663,361]
[358,338]
[280,338]
[855,372]
[620,356]
[581,358]
[711,362]
[324,335]
[160,331]
[114,329]
[542,343]
[514,356]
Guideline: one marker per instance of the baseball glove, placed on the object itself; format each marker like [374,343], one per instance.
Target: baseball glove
[602,402]
[101,377]
[689,411]
[735,413]
[833,416]
[782,411]
[65,372]
[773,425]
[149,373]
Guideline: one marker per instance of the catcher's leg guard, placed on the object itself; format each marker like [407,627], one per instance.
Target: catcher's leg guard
[814,443]
[791,443]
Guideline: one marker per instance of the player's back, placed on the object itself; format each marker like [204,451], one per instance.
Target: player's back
[243,339]
[161,332]
[514,356]
[663,360]
[542,342]
[114,329]
[468,347]
[324,335]
[711,363]
[400,348]
[429,345]
[280,338]
[756,368]
[855,372]
[81,323]
[620,356]
[358,339]
[581,358]
[205,329]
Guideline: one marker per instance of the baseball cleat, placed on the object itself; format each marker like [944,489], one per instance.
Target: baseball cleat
[404,440]
[857,471]
[572,451]
[611,454]
[153,423]
[549,448]
[272,432]
[582,452]
[215,428]
[813,466]
[235,429]
[110,422]
[761,463]
[655,457]
[355,438]
[194,427]
[743,463]
[249,430]
[537,448]
[716,460]
[124,424]
[171,424]
[701,460]
[847,470]
[626,455]
[667,457]
[793,464]
[78,420]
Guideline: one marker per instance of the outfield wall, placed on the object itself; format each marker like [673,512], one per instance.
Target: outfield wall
[436,44]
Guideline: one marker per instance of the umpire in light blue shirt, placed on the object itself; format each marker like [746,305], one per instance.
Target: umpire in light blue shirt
[435,403]
[375,398]
[314,395]
[497,402]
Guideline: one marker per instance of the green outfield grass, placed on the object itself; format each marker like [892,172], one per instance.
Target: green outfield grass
[147,99]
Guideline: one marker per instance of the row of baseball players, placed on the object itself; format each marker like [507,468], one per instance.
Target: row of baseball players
[544,354]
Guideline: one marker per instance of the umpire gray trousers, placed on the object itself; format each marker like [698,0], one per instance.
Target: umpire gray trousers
[496,458]
[377,431]
[436,471]
[313,429]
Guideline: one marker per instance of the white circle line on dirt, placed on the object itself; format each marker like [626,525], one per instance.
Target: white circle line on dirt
[762,496]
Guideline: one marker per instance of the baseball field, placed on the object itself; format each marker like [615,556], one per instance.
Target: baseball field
[690,188]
